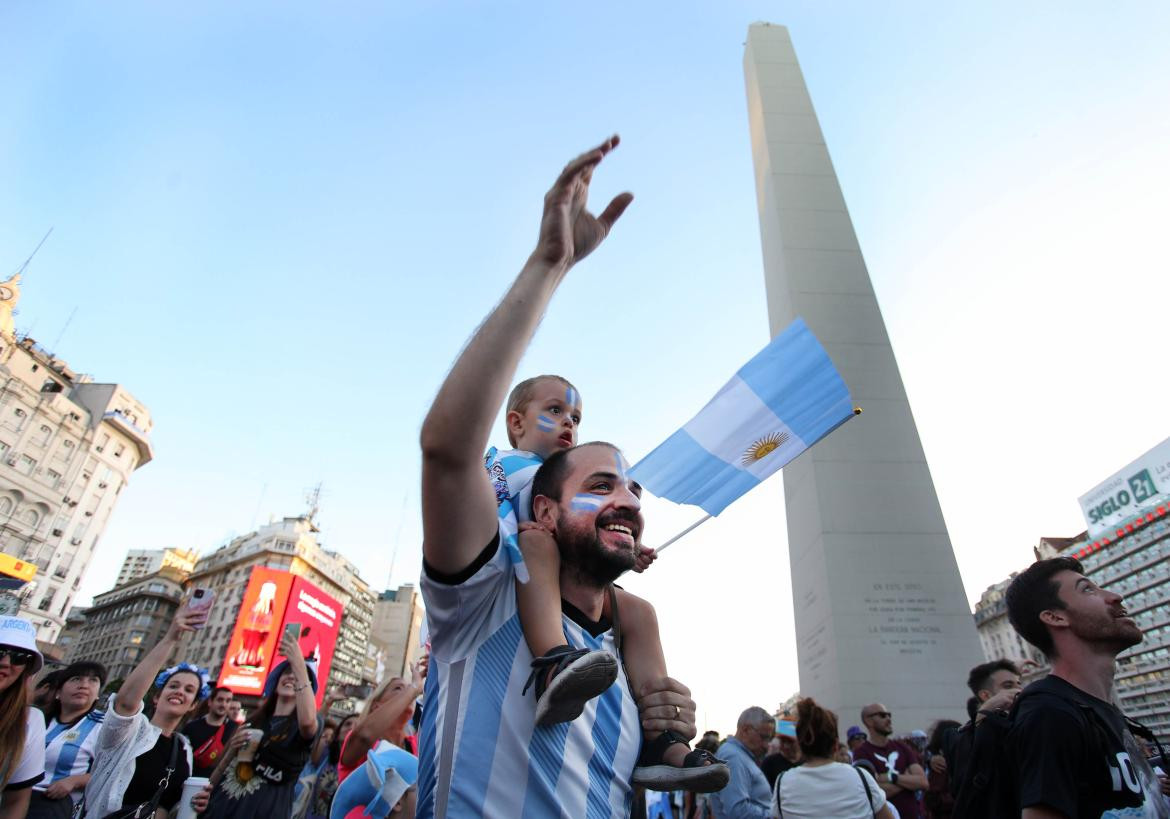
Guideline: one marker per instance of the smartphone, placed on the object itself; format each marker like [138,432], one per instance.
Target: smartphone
[201,601]
[293,629]
[357,692]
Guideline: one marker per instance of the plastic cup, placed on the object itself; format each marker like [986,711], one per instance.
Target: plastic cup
[192,786]
[248,750]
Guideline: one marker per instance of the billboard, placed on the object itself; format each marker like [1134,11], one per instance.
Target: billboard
[1140,484]
[272,600]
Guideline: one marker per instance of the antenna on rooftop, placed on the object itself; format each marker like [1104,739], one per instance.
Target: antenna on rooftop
[21,269]
[313,498]
[64,327]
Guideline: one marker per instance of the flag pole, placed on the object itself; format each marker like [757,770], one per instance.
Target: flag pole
[687,530]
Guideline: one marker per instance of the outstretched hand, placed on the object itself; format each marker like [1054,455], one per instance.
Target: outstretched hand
[568,231]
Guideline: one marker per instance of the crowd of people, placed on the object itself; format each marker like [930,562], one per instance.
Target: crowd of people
[521,550]
[167,740]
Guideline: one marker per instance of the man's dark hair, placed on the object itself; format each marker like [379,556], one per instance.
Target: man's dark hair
[549,479]
[980,676]
[972,707]
[219,688]
[1033,591]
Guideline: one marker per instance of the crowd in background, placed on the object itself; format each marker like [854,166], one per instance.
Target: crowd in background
[168,742]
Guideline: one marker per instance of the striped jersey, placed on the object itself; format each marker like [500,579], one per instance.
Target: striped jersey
[480,752]
[511,472]
[69,749]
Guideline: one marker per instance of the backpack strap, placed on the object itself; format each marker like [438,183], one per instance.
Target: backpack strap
[1137,729]
[776,795]
[868,793]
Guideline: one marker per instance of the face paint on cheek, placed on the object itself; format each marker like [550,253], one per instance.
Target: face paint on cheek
[545,424]
[585,503]
[621,466]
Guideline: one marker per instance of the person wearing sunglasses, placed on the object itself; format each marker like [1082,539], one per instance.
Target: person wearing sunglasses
[899,769]
[22,729]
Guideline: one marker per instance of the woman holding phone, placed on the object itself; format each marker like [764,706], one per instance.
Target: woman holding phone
[258,774]
[140,764]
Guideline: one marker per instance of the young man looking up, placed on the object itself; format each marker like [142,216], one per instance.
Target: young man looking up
[1071,748]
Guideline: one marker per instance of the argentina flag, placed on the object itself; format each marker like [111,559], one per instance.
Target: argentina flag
[776,406]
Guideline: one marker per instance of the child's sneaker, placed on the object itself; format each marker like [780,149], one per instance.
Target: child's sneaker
[701,772]
[577,676]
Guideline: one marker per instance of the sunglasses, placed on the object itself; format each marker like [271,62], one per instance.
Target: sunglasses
[882,714]
[16,656]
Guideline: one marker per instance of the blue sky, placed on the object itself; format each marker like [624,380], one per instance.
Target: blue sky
[279,224]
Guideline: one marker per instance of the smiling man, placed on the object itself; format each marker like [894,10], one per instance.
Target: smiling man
[480,750]
[1073,750]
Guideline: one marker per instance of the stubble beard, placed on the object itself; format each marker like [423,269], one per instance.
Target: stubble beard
[587,559]
[1109,632]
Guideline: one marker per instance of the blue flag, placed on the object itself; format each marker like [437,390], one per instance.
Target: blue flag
[776,406]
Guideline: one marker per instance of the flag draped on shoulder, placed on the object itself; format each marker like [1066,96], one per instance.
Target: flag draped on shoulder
[776,406]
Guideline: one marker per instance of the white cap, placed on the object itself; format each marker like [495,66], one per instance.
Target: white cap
[19,633]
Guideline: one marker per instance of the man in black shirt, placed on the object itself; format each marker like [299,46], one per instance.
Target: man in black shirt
[210,733]
[1073,753]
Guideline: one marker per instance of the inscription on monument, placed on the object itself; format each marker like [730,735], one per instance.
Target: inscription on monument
[900,617]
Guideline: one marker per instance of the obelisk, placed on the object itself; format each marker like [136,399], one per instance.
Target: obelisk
[881,614]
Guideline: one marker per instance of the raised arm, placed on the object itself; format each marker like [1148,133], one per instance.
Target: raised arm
[306,700]
[379,723]
[459,506]
[129,698]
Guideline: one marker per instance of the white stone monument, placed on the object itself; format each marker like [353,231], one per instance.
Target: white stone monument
[881,614]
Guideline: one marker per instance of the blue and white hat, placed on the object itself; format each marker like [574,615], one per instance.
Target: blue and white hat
[20,633]
[378,784]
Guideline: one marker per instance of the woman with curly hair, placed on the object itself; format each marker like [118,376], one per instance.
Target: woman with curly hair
[141,764]
[22,729]
[820,786]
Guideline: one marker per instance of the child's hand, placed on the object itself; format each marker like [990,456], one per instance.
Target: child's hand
[532,526]
[645,557]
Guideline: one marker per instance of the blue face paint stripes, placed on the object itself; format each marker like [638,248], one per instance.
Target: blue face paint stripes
[545,424]
[621,466]
[571,397]
[585,503]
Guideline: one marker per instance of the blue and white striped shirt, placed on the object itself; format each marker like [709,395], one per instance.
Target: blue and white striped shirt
[480,753]
[511,472]
[69,749]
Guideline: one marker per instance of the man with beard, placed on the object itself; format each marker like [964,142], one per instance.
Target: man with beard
[480,752]
[1072,749]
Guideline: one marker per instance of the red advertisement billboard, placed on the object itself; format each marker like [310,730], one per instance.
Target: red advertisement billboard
[272,600]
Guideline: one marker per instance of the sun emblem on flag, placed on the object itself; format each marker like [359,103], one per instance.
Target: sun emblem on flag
[763,448]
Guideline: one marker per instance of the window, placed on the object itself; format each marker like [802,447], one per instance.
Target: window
[46,434]
[27,464]
[119,450]
[19,413]
[54,476]
[31,517]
